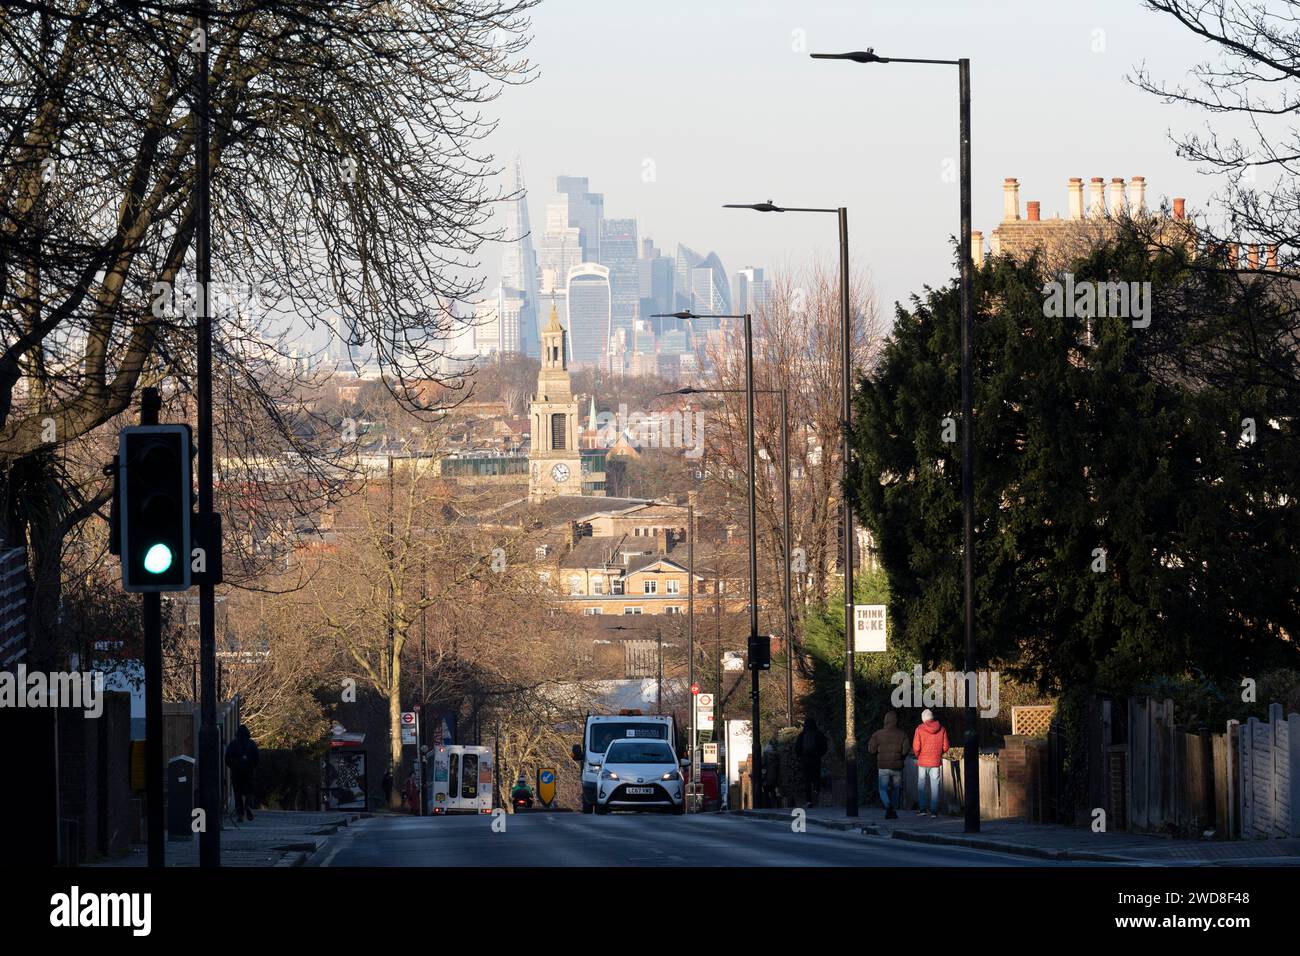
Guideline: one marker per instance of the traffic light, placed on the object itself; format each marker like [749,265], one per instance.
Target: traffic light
[154,501]
[760,652]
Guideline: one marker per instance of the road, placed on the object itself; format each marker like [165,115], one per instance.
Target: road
[572,839]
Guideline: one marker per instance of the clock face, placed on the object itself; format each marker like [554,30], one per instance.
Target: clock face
[560,473]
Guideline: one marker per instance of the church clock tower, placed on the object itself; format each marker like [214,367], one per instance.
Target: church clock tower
[554,462]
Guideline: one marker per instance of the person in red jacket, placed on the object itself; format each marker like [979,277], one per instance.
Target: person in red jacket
[929,743]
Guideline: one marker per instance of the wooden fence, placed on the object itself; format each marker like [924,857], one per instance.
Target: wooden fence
[1269,775]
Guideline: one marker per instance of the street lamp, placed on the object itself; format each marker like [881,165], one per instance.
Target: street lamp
[756,758]
[970,754]
[785,524]
[846,410]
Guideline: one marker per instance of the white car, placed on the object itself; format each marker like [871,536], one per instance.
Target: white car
[640,774]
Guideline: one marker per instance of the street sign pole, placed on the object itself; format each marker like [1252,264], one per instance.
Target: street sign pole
[150,402]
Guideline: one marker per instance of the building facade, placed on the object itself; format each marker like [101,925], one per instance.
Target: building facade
[554,460]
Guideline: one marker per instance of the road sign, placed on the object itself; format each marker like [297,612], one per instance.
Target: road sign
[710,753]
[546,785]
[868,628]
[695,688]
[409,735]
[704,711]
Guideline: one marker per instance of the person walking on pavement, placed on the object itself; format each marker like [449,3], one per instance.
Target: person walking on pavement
[241,758]
[891,748]
[929,743]
[810,747]
[771,773]
[387,784]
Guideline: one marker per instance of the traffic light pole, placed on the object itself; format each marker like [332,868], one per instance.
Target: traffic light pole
[150,403]
[209,741]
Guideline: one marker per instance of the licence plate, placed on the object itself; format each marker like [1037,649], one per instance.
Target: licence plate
[644,791]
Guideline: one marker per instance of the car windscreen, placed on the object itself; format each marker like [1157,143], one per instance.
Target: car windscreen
[647,751]
[606,732]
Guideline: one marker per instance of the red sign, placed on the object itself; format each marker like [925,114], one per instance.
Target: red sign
[695,688]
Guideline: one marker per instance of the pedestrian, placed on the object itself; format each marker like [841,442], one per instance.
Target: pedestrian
[891,748]
[929,743]
[412,793]
[241,758]
[387,784]
[771,773]
[810,747]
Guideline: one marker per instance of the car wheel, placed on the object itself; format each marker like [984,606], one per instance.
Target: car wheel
[600,809]
[586,807]
[679,809]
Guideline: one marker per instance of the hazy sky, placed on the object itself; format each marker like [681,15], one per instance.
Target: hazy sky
[720,101]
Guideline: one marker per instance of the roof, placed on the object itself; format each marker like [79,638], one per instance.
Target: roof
[562,508]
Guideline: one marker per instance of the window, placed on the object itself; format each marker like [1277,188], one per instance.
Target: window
[618,586]
[575,584]
[650,587]
[592,611]
[674,587]
[674,609]
[557,432]
[597,585]
[631,610]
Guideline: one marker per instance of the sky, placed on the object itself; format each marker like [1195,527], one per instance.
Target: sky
[674,107]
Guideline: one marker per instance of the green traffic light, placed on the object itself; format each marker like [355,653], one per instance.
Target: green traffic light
[158,559]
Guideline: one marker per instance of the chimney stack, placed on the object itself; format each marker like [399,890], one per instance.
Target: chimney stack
[1252,256]
[1033,210]
[977,247]
[1137,200]
[1096,200]
[1272,256]
[1010,199]
[1232,253]
[1117,199]
[1076,197]
[1180,207]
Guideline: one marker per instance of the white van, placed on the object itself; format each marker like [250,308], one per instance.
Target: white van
[600,731]
[460,779]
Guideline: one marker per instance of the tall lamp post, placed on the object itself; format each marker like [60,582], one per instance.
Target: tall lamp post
[756,758]
[846,412]
[785,523]
[970,750]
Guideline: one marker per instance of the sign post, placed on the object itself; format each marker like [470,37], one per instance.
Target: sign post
[868,628]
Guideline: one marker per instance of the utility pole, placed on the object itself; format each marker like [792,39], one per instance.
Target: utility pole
[209,738]
[150,403]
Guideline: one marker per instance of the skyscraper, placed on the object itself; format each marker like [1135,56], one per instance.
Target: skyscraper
[584,210]
[687,259]
[655,291]
[519,268]
[590,306]
[618,252]
[708,288]
[750,290]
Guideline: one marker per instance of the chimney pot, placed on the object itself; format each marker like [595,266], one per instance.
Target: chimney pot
[1076,197]
[1180,207]
[1137,199]
[1010,199]
[1233,252]
[1252,256]
[977,247]
[1117,197]
[1033,208]
[1096,197]
[1272,256]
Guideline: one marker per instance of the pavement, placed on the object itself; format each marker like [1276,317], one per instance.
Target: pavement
[1047,841]
[633,839]
[271,838]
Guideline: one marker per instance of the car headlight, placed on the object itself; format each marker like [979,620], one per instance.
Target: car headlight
[608,775]
[672,775]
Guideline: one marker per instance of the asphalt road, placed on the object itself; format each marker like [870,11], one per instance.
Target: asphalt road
[625,839]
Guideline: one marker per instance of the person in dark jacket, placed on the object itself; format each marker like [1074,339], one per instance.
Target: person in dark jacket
[771,773]
[810,747]
[387,784]
[241,758]
[891,747]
